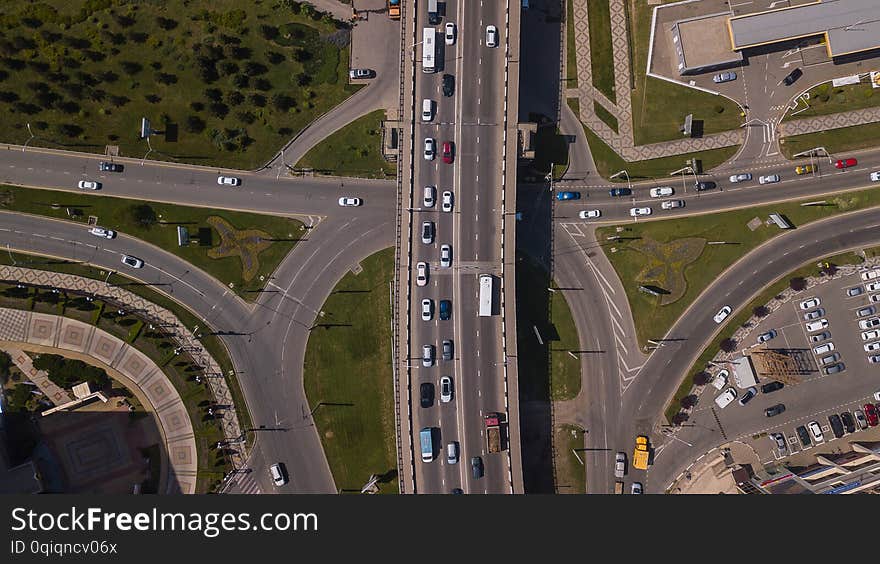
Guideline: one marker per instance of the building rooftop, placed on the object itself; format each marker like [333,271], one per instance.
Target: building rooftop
[849,26]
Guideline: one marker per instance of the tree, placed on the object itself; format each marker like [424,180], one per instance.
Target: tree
[143,215]
[701,378]
[152,98]
[688,401]
[166,78]
[828,269]
[219,110]
[214,94]
[728,345]
[228,68]
[69,129]
[123,20]
[303,79]
[166,23]
[130,67]
[253,68]
[761,311]
[269,32]
[797,283]
[118,101]
[262,84]
[257,100]
[195,124]
[8,97]
[246,117]
[235,98]
[241,81]
[302,55]
[680,418]
[282,102]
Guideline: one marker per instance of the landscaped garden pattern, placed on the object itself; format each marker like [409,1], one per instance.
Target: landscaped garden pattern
[256,252]
[224,83]
[654,316]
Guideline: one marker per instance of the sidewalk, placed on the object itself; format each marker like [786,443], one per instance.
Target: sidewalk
[830,121]
[158,315]
[26,364]
[623,141]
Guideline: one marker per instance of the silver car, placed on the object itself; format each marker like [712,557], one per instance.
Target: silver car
[445,256]
[427,355]
[724,77]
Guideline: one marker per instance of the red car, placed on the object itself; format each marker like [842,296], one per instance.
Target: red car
[448,152]
[871,414]
[845,163]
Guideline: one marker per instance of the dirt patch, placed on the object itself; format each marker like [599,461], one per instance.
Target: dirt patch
[247,244]
[665,264]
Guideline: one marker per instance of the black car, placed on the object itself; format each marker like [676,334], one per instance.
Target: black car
[772,387]
[804,436]
[848,423]
[774,410]
[836,425]
[445,309]
[477,467]
[448,85]
[701,185]
[109,167]
[447,349]
[792,76]
[457,491]
[620,192]
[426,394]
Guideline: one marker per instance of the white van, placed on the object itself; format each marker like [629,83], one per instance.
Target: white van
[427,110]
[720,379]
[452,453]
[725,398]
[822,349]
[277,474]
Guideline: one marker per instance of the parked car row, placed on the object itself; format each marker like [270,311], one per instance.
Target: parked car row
[839,425]
[815,326]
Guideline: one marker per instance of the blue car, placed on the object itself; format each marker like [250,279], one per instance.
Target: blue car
[568,195]
[620,192]
[445,309]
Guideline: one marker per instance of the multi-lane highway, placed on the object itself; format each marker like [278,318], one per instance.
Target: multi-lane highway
[472,120]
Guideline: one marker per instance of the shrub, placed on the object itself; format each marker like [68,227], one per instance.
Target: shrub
[761,311]
[701,378]
[797,283]
[728,345]
[143,215]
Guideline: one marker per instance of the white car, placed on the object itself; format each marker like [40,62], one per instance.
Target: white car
[447,201]
[822,349]
[277,473]
[873,287]
[445,389]
[88,185]
[228,181]
[817,325]
[720,379]
[589,214]
[869,323]
[722,314]
[870,274]
[672,204]
[347,201]
[868,335]
[449,28]
[491,36]
[769,179]
[427,309]
[877,395]
[740,177]
[661,192]
[810,304]
[133,262]
[816,431]
[725,398]
[639,211]
[874,298]
[875,176]
[873,346]
[619,465]
[636,488]
[430,149]
[445,256]
[422,274]
[102,232]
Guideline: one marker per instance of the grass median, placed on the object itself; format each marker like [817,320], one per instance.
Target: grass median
[740,318]
[570,476]
[348,378]
[571,79]
[675,256]
[826,99]
[355,150]
[236,248]
[601,47]
[835,141]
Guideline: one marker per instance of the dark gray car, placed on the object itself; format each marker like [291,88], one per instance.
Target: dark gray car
[447,349]
[477,467]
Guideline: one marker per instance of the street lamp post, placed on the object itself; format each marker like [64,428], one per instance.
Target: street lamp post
[30,139]
[626,174]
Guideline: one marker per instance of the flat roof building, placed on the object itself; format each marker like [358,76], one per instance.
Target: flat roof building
[848,26]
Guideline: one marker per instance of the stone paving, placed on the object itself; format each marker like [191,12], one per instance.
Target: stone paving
[104,351]
[623,141]
[831,121]
[24,363]
[131,366]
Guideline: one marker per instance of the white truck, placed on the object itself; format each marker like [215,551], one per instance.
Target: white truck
[725,398]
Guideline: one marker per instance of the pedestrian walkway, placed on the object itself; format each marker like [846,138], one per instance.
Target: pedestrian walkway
[158,316]
[830,121]
[25,363]
[27,329]
[623,141]
[244,484]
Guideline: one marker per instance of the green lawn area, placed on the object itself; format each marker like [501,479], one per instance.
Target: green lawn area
[730,327]
[547,371]
[348,370]
[651,252]
[570,476]
[608,162]
[605,115]
[834,140]
[571,79]
[354,150]
[180,369]
[659,107]
[279,234]
[601,54]
[76,310]
[827,99]
[222,85]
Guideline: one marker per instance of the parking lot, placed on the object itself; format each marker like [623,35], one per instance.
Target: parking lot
[826,332]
